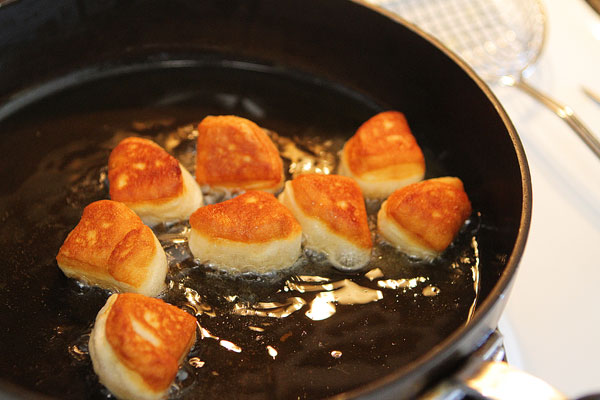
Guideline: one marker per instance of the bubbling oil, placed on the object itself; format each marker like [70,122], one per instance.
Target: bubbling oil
[294,290]
[308,331]
[271,318]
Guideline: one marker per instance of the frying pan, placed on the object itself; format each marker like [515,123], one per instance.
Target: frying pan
[79,75]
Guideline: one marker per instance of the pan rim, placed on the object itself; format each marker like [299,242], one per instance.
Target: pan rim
[445,349]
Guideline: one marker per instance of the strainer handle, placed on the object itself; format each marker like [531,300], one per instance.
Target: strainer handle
[563,111]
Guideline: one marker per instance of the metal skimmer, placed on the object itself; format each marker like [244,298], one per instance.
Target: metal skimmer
[500,39]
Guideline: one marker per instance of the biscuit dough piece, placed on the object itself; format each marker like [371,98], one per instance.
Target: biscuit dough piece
[383,155]
[112,248]
[332,213]
[252,232]
[137,345]
[234,153]
[151,182]
[422,219]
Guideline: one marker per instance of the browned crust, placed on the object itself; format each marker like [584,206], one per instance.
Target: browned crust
[253,217]
[140,170]
[175,331]
[433,210]
[126,258]
[382,141]
[338,202]
[110,239]
[235,152]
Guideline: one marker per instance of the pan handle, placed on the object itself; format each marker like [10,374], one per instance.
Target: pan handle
[486,376]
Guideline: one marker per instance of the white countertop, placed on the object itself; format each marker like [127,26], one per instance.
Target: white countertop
[552,319]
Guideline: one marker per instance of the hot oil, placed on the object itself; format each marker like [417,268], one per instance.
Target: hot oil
[308,331]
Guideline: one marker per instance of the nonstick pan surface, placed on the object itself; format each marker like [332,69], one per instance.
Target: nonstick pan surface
[59,125]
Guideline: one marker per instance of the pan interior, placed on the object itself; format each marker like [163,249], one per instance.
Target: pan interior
[273,336]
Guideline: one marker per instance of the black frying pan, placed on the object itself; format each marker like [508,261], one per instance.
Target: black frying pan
[78,76]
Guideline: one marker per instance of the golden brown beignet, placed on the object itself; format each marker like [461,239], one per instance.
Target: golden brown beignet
[383,155]
[137,345]
[423,218]
[112,248]
[331,211]
[235,153]
[252,232]
[151,182]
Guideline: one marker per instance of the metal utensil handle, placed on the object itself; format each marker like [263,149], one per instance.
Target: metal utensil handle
[499,380]
[485,376]
[563,111]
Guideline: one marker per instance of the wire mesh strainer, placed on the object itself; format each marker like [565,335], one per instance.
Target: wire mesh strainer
[500,39]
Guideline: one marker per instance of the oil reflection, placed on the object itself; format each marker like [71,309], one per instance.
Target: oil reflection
[328,294]
[336,354]
[205,334]
[374,274]
[196,362]
[272,351]
[341,292]
[270,309]
[230,346]
[195,302]
[430,291]
[315,156]
[475,273]
[322,306]
[401,283]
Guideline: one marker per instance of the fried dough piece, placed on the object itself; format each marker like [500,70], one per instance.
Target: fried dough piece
[112,248]
[234,153]
[422,219]
[383,155]
[331,211]
[252,232]
[137,345]
[151,182]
